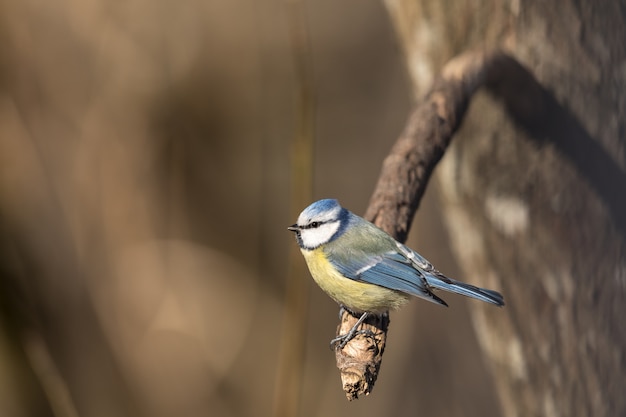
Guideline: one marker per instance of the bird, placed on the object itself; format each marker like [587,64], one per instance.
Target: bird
[367,271]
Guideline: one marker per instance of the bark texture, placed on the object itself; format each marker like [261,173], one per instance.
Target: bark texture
[359,361]
[535,205]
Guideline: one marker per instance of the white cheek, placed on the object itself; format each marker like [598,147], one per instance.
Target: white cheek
[312,238]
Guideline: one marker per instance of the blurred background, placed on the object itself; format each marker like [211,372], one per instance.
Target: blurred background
[144,199]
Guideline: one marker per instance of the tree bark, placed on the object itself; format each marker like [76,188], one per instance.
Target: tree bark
[535,206]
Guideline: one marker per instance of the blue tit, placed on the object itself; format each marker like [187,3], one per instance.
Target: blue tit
[364,269]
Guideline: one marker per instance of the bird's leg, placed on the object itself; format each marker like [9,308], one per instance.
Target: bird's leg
[343,339]
[342,310]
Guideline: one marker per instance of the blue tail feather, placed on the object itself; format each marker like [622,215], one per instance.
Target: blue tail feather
[468,290]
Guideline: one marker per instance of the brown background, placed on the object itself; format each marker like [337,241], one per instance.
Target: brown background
[144,199]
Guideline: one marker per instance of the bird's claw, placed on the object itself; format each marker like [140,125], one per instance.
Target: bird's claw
[341,341]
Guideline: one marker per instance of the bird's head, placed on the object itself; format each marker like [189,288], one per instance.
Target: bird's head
[319,223]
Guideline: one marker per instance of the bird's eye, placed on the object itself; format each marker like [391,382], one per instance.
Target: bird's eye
[314,224]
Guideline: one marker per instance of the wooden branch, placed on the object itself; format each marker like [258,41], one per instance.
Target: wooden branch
[407,169]
[402,182]
[359,361]
[429,129]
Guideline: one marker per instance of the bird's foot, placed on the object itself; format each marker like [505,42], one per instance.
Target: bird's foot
[342,340]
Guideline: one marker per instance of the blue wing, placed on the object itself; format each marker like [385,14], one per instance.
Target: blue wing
[407,271]
[391,270]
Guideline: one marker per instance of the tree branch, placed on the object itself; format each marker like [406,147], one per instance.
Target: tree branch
[427,134]
[402,182]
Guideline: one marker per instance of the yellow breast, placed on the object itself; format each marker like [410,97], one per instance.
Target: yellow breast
[356,296]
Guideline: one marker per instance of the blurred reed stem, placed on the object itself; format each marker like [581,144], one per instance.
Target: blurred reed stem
[292,345]
[53,384]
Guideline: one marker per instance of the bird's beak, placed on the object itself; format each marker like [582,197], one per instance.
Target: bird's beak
[293,228]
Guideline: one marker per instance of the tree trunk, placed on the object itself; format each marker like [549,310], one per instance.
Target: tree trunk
[537,212]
